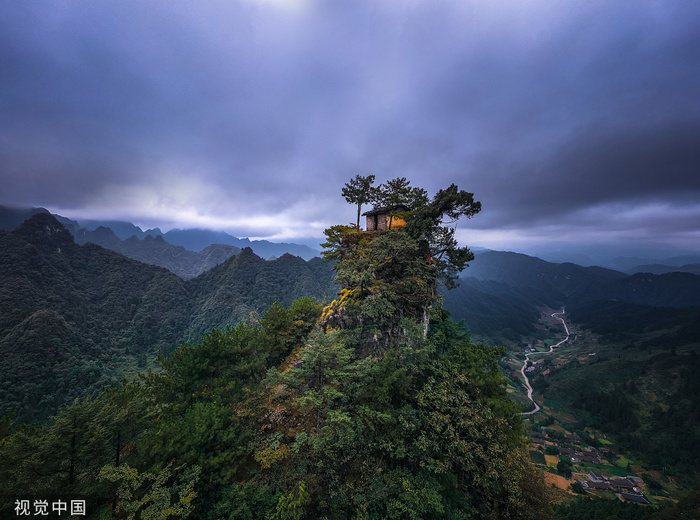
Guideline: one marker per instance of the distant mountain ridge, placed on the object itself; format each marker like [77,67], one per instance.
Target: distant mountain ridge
[664,269]
[198,239]
[501,294]
[156,251]
[570,282]
[195,240]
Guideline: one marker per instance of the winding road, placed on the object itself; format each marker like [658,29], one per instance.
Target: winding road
[557,315]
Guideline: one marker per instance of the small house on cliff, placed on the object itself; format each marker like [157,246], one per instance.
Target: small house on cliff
[381,219]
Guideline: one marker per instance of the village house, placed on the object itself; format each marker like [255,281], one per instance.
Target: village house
[631,497]
[382,219]
[598,486]
[572,437]
[569,452]
[595,477]
[622,484]
[585,457]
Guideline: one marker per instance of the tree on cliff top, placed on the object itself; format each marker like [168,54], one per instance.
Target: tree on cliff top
[359,191]
[427,220]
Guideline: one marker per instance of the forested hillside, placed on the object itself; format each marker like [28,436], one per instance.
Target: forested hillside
[76,318]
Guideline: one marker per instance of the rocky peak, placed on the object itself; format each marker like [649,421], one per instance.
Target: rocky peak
[46,233]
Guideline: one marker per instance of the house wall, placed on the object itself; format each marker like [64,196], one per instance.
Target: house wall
[371,224]
[383,222]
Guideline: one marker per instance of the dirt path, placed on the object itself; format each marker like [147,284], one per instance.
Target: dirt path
[557,315]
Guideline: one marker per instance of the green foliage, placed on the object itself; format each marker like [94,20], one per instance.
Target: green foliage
[552,450]
[564,468]
[425,224]
[152,496]
[65,455]
[287,327]
[291,506]
[403,434]
[389,279]
[359,191]
[577,488]
[334,241]
[340,433]
[537,457]
[398,192]
[646,402]
[603,509]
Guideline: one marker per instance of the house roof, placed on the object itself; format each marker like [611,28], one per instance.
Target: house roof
[635,498]
[598,485]
[384,210]
[622,483]
[535,434]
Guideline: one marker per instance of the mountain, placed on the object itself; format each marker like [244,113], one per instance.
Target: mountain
[495,312]
[246,284]
[121,229]
[99,315]
[501,294]
[156,251]
[526,271]
[568,283]
[623,319]
[197,239]
[75,318]
[667,290]
[664,268]
[627,264]
[11,217]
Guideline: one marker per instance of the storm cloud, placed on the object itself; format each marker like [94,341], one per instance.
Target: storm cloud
[577,119]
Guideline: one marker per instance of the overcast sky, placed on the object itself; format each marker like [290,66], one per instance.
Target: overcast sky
[575,121]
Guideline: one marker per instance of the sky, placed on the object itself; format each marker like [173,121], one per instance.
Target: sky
[572,122]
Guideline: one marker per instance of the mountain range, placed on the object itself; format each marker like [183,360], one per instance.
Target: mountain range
[157,251]
[75,316]
[501,294]
[125,238]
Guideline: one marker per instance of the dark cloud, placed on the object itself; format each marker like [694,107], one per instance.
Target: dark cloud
[604,166]
[245,115]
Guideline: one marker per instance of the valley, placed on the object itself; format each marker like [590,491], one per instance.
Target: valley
[531,351]
[594,400]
